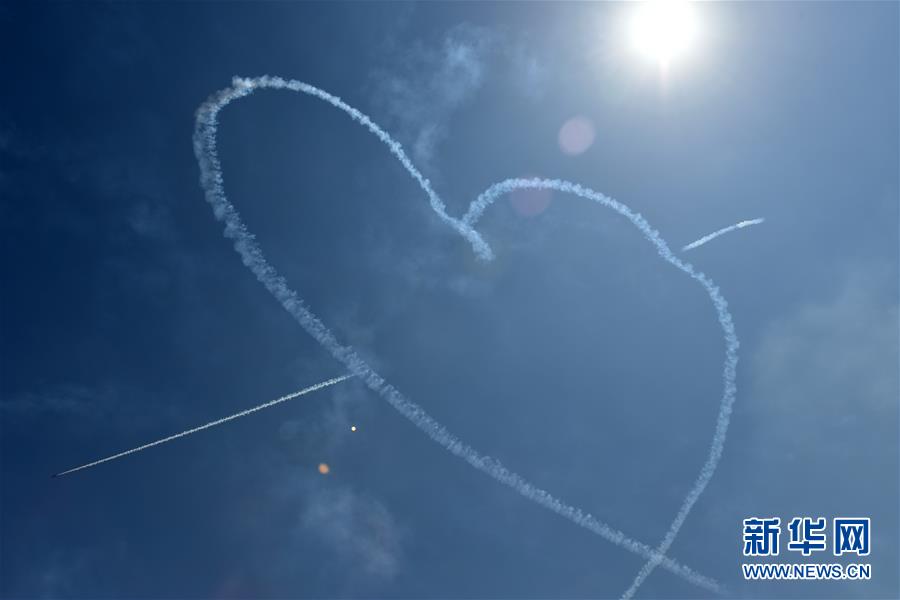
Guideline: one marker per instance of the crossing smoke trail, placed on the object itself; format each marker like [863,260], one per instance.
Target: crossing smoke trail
[723,231]
[243,413]
[251,254]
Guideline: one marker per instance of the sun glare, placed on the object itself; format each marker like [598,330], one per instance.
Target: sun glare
[663,30]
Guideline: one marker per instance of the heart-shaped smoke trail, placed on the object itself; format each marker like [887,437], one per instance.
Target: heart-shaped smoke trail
[252,256]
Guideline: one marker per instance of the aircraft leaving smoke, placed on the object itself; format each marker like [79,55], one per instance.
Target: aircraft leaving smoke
[723,231]
[243,413]
[212,181]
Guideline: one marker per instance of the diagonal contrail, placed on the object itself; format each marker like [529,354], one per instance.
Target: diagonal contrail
[212,181]
[243,413]
[723,231]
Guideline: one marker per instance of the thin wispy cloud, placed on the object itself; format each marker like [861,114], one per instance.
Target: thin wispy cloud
[150,220]
[831,365]
[429,83]
[87,409]
[527,72]
[357,528]
[822,413]
[421,95]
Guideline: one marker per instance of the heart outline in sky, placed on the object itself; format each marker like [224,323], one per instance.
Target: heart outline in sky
[245,244]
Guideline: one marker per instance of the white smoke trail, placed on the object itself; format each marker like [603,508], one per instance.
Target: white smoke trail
[245,244]
[723,231]
[187,432]
[729,371]
[241,87]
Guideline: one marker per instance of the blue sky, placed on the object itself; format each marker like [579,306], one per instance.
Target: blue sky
[577,357]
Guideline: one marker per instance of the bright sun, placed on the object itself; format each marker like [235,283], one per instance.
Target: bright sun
[663,30]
